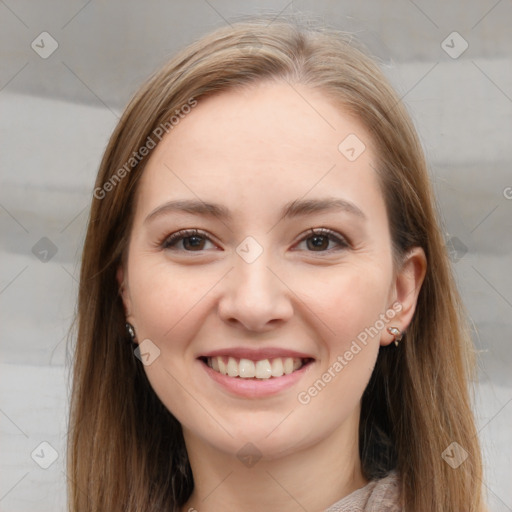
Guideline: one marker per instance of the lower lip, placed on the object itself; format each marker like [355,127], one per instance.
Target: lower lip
[256,388]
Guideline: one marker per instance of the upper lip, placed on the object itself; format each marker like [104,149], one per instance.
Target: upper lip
[257,354]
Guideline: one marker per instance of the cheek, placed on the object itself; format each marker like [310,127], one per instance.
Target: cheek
[169,309]
[349,310]
[348,300]
[164,298]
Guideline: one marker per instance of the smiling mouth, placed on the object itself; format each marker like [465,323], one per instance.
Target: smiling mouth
[262,369]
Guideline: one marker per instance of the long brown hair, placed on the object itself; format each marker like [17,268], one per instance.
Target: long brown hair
[126,450]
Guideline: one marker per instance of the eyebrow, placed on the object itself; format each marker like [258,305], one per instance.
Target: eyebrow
[296,208]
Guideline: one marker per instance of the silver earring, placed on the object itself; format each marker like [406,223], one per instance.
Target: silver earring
[131,331]
[397,333]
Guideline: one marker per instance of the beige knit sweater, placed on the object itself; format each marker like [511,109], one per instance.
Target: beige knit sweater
[377,496]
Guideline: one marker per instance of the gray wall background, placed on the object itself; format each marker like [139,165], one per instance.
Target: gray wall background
[57,111]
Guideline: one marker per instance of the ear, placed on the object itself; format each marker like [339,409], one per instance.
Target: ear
[124,290]
[405,291]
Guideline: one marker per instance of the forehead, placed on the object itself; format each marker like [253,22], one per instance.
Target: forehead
[265,142]
[268,120]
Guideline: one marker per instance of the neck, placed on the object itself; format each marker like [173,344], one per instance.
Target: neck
[312,478]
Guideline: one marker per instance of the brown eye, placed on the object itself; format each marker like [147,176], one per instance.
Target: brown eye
[323,240]
[318,242]
[193,243]
[187,240]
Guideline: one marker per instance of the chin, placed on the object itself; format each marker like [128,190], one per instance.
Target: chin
[268,435]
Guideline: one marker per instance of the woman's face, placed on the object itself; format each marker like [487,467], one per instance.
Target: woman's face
[283,272]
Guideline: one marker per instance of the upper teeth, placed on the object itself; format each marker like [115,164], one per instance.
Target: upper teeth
[247,369]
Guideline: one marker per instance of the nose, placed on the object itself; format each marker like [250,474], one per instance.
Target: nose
[255,297]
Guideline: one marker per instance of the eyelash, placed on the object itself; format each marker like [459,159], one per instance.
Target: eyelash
[169,241]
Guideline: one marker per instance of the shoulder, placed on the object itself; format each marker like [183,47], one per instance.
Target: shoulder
[385,496]
[377,496]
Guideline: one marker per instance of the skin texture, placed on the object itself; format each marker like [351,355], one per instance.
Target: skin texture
[253,151]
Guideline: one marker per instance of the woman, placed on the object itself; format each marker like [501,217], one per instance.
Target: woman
[267,317]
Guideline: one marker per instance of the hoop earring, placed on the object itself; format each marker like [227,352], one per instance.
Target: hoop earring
[131,331]
[397,333]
